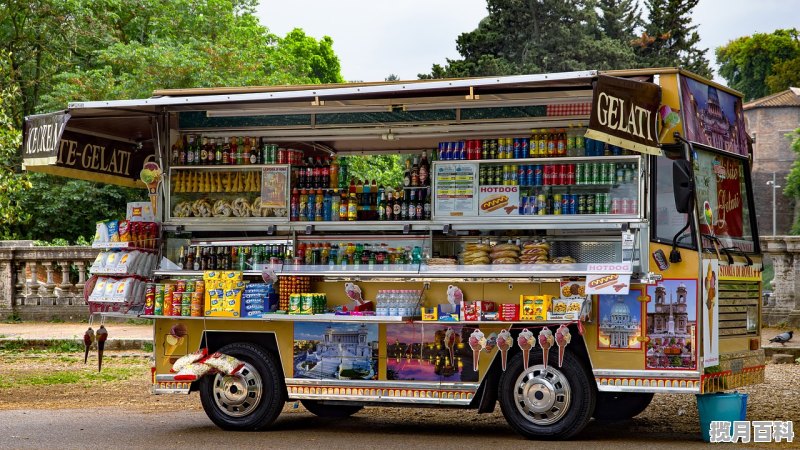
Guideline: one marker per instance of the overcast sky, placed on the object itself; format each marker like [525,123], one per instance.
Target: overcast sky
[376,38]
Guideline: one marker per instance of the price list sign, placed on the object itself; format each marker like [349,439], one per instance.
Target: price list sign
[456,188]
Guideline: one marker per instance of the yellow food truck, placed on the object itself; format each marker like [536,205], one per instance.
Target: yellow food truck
[565,245]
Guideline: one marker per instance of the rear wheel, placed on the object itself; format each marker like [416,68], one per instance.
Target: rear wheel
[620,405]
[250,400]
[329,410]
[546,402]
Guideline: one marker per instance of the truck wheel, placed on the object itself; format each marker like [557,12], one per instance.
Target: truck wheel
[620,405]
[546,403]
[330,411]
[250,400]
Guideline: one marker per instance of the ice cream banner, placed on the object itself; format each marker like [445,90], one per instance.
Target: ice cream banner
[608,284]
[710,302]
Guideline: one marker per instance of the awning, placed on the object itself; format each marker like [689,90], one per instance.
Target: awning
[72,146]
[625,113]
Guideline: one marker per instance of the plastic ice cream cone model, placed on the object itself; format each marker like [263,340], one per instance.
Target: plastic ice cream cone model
[563,337]
[477,341]
[669,119]
[546,341]
[450,342]
[504,342]
[526,341]
[175,338]
[151,175]
[709,283]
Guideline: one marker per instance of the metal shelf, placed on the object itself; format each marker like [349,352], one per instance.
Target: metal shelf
[553,160]
[238,167]
[327,317]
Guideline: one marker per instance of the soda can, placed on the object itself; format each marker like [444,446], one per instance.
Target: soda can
[581,204]
[573,204]
[501,148]
[541,202]
[515,146]
[295,303]
[524,148]
[599,203]
[564,174]
[631,206]
[570,174]
[441,150]
[529,175]
[590,204]
[596,168]
[538,175]
[485,149]
[558,200]
[580,170]
[571,145]
[520,175]
[565,204]
[616,206]
[307,304]
[462,150]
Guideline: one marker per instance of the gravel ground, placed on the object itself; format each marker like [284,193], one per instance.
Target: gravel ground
[28,383]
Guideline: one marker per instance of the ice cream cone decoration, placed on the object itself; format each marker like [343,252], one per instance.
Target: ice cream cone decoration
[526,342]
[152,175]
[504,343]
[710,283]
[563,337]
[669,120]
[546,341]
[449,343]
[175,338]
[477,341]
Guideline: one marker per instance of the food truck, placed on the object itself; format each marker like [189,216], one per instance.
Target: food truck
[565,245]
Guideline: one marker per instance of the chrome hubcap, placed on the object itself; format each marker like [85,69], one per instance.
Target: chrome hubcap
[542,395]
[238,395]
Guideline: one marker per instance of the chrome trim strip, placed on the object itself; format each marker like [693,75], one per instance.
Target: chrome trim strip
[647,374]
[643,389]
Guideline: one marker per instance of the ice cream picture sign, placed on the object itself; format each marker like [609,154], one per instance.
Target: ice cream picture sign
[625,113]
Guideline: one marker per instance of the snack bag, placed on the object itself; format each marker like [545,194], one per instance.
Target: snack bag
[113,230]
[185,360]
[99,264]
[192,372]
[124,231]
[99,289]
[128,261]
[110,290]
[224,363]
[101,233]
[123,289]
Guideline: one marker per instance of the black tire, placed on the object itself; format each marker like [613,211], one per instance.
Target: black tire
[554,403]
[330,411]
[620,405]
[232,407]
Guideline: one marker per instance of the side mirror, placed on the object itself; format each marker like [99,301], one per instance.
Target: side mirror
[683,185]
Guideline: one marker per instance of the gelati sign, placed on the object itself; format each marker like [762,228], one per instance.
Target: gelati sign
[625,113]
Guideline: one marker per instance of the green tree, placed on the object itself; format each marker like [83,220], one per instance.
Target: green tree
[387,170]
[533,36]
[761,64]
[670,39]
[13,185]
[792,188]
[619,19]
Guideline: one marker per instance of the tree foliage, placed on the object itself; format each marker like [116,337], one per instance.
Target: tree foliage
[13,185]
[792,188]
[761,64]
[387,170]
[533,36]
[56,51]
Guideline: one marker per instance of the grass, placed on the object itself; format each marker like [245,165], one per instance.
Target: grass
[147,346]
[60,377]
[14,345]
[64,346]
[139,321]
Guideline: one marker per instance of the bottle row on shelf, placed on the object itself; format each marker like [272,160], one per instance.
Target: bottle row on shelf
[231,257]
[543,201]
[360,202]
[355,254]
[557,174]
[544,143]
[194,150]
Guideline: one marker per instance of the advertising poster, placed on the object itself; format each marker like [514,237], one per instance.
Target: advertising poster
[620,324]
[499,201]
[422,352]
[274,184]
[722,200]
[671,319]
[710,299]
[456,186]
[336,351]
[713,117]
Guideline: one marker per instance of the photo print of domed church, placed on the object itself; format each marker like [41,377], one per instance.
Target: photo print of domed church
[672,325]
[620,319]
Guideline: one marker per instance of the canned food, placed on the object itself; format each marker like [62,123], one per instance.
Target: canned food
[295,303]
[180,286]
[590,204]
[307,304]
[582,204]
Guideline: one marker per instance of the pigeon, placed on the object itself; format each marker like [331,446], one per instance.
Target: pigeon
[353,291]
[783,338]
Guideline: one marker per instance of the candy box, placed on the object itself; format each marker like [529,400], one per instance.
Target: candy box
[470,311]
[509,312]
[449,312]
[431,314]
[526,307]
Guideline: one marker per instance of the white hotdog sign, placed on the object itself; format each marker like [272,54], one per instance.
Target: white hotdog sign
[498,201]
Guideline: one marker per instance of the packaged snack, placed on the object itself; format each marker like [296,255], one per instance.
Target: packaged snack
[124,231]
[112,260]
[101,233]
[224,363]
[152,235]
[150,299]
[113,230]
[128,261]
[196,307]
[99,289]
[99,263]
[123,289]
[192,372]
[110,290]
[135,230]
[185,360]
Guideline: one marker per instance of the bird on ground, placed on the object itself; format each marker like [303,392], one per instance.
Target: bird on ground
[783,338]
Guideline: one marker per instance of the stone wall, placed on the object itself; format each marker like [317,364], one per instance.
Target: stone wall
[44,283]
[784,304]
[772,152]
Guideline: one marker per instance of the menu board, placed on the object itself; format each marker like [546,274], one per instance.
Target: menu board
[274,186]
[456,189]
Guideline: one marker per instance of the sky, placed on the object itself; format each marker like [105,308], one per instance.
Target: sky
[376,38]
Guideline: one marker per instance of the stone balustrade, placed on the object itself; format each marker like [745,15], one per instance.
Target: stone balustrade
[784,303]
[43,283]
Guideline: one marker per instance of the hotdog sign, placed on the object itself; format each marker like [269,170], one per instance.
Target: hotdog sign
[608,284]
[498,201]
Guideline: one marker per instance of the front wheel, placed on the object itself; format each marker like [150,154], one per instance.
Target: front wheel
[620,405]
[550,402]
[249,400]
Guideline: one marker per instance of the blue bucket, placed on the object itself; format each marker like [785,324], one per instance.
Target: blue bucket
[720,406]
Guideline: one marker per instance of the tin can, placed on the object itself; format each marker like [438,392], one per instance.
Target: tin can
[581,204]
[570,174]
[180,286]
[150,299]
[513,172]
[631,205]
[573,204]
[538,175]
[526,148]
[307,303]
[600,203]
[529,175]
[564,174]
[558,200]
[272,153]
[196,306]
[590,204]
[501,148]
[177,299]
[541,202]
[461,151]
[283,156]
[485,149]
[616,206]
[555,174]
[295,303]
[565,204]
[521,176]
[595,177]
[580,173]
[571,145]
